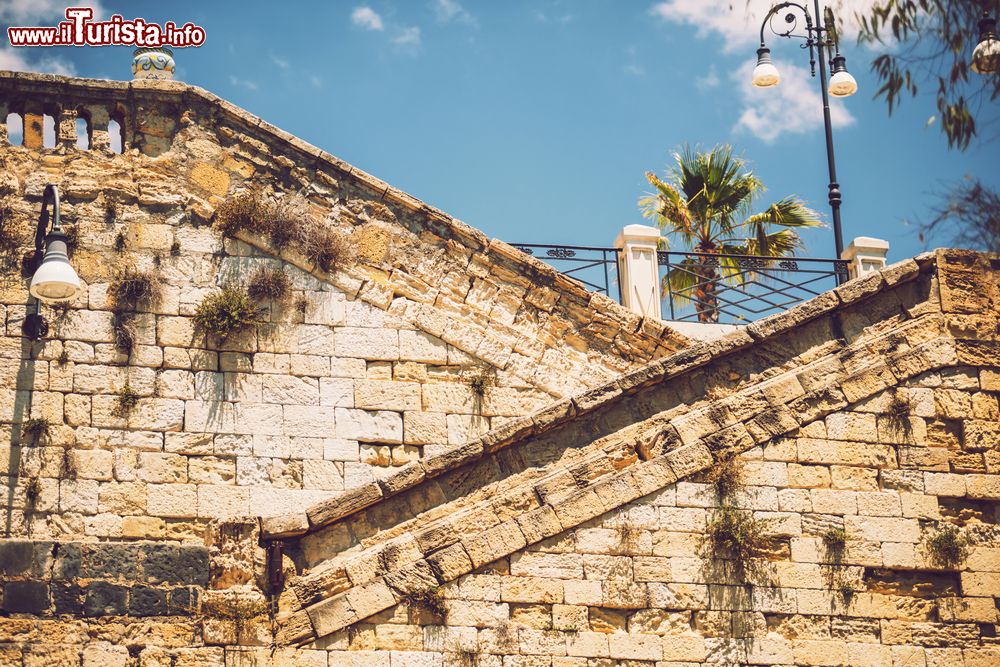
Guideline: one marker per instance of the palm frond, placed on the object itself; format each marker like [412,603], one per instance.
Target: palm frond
[679,282]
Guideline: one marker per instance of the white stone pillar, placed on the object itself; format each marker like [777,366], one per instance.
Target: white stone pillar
[638,271]
[865,255]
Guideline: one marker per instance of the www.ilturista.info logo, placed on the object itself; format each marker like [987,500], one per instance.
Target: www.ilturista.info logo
[79,30]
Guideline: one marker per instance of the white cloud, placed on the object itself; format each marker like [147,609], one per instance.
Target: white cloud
[452,10]
[736,23]
[242,83]
[408,38]
[43,12]
[633,69]
[282,63]
[709,81]
[16,60]
[367,18]
[793,107]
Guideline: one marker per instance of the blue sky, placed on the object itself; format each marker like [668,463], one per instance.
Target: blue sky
[536,120]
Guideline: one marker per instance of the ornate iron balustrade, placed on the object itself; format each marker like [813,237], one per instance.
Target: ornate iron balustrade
[596,268]
[738,289]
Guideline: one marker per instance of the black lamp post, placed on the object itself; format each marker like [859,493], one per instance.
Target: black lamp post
[819,37]
[54,279]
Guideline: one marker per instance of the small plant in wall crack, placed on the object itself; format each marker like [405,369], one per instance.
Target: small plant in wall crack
[67,466]
[35,429]
[126,401]
[227,311]
[835,541]
[329,249]
[132,289]
[948,547]
[32,490]
[480,380]
[735,535]
[727,476]
[429,601]
[269,283]
[465,657]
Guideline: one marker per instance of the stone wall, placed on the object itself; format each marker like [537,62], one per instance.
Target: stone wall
[360,369]
[326,488]
[866,422]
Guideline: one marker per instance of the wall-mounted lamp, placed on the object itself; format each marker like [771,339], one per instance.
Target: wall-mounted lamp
[54,279]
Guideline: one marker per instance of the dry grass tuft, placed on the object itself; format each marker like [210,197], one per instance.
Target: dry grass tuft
[283,223]
[269,283]
[327,248]
[131,289]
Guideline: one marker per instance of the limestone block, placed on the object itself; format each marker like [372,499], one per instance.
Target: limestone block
[386,395]
[555,565]
[477,613]
[853,477]
[327,308]
[317,474]
[173,500]
[885,503]
[420,346]
[337,392]
[336,449]
[78,495]
[93,463]
[363,343]
[463,428]
[377,426]
[223,502]
[423,428]
[175,384]
[162,468]
[306,420]
[851,426]
[211,470]
[289,389]
[877,529]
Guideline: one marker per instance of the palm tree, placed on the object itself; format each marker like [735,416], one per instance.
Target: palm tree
[706,203]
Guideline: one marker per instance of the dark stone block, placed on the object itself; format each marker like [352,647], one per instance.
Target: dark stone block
[67,598]
[147,601]
[26,597]
[15,557]
[193,565]
[183,601]
[109,561]
[104,599]
[176,565]
[23,557]
[67,561]
[158,563]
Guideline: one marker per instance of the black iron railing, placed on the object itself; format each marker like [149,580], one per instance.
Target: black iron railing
[738,289]
[596,268]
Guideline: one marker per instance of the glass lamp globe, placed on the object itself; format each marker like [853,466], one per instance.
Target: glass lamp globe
[986,56]
[765,74]
[55,280]
[842,84]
